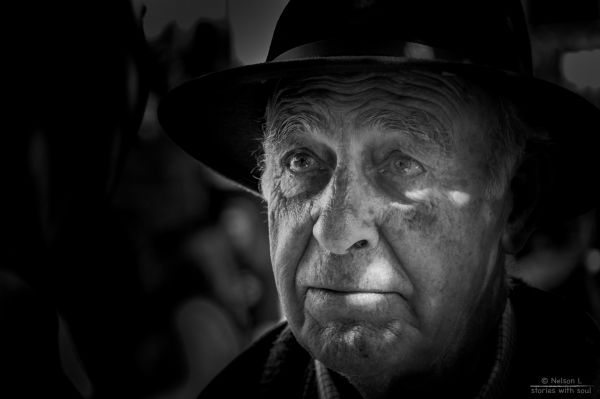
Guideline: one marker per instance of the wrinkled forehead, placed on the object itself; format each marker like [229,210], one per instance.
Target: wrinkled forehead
[428,105]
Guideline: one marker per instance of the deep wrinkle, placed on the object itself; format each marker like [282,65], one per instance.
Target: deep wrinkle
[310,115]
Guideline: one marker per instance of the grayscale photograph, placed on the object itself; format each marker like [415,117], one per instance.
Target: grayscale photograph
[301,199]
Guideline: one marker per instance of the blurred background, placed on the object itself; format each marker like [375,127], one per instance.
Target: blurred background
[127,269]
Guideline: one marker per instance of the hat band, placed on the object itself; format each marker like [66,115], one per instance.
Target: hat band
[382,48]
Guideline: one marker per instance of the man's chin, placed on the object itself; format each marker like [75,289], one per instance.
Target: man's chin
[354,349]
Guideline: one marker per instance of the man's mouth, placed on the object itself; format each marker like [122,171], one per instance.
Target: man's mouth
[360,304]
[343,290]
[361,298]
[351,290]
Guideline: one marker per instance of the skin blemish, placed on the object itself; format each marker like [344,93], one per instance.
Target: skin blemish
[413,216]
[422,220]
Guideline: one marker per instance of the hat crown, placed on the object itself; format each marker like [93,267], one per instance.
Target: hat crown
[488,32]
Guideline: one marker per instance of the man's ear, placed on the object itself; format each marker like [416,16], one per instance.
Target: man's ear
[527,188]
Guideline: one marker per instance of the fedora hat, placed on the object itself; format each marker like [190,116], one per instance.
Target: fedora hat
[218,118]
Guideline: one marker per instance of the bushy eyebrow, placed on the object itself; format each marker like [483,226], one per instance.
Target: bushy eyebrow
[291,119]
[421,126]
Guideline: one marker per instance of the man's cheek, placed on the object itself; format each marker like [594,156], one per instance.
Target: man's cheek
[416,219]
[424,242]
[440,254]
[290,228]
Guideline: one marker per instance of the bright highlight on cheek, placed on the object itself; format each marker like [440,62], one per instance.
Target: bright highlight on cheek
[459,198]
[418,195]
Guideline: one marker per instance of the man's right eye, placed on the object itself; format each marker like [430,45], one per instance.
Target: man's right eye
[301,162]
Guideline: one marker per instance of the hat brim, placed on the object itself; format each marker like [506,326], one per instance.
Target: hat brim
[218,119]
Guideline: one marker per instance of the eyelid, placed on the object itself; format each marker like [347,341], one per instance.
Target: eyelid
[395,154]
[423,156]
[388,157]
[285,160]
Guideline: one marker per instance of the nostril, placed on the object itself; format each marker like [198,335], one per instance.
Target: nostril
[360,244]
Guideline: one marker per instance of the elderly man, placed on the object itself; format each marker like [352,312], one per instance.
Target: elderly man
[404,153]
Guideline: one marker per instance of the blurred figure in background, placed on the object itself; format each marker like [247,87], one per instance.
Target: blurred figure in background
[205,256]
[77,91]
[93,202]
[564,258]
[218,286]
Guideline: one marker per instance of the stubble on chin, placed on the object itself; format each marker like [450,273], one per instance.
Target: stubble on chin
[350,347]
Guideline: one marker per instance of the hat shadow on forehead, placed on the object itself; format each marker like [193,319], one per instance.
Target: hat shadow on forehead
[218,118]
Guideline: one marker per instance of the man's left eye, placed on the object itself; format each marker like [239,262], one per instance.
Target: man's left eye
[301,162]
[402,165]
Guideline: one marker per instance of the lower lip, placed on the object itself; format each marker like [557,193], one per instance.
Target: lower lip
[330,305]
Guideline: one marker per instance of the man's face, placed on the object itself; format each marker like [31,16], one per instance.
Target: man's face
[384,243]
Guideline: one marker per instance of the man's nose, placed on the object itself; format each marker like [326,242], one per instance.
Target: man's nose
[346,218]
